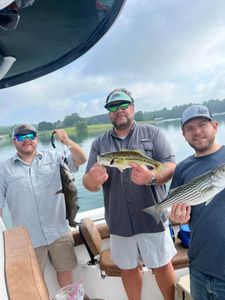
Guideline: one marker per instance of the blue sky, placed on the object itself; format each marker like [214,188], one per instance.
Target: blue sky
[166,52]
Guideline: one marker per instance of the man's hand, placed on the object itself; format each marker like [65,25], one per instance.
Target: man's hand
[140,174]
[62,136]
[180,213]
[98,175]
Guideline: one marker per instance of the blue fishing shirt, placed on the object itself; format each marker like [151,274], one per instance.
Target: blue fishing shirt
[30,193]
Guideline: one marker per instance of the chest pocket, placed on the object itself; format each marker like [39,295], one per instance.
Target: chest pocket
[145,146]
[48,173]
[47,167]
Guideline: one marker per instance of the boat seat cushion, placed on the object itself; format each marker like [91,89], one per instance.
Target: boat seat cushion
[93,237]
[93,240]
[107,265]
[180,260]
[23,276]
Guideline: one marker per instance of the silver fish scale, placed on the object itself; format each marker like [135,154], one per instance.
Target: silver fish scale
[189,193]
[201,189]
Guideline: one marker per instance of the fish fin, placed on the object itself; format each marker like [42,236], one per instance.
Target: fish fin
[209,200]
[72,223]
[156,213]
[133,150]
[121,169]
[60,192]
[171,191]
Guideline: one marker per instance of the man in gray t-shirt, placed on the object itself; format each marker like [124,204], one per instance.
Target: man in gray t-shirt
[134,235]
[207,222]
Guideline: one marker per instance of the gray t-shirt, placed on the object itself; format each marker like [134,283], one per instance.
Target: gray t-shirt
[125,200]
[207,223]
[30,193]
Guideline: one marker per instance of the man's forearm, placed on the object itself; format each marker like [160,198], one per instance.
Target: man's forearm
[77,153]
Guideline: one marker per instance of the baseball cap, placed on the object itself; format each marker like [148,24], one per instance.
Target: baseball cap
[118,95]
[196,111]
[23,129]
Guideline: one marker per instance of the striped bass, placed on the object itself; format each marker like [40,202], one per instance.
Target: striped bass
[121,159]
[201,189]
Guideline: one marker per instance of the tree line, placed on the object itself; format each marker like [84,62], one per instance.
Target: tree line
[74,120]
[215,106]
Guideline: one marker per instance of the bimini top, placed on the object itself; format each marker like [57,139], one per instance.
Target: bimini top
[40,36]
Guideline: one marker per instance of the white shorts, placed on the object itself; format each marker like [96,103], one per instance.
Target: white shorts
[153,249]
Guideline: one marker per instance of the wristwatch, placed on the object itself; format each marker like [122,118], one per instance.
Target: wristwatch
[153,181]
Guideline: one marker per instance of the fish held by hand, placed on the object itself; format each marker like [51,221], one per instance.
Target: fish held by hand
[201,189]
[122,159]
[70,193]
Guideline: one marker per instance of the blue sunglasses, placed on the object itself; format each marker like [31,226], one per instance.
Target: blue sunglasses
[23,137]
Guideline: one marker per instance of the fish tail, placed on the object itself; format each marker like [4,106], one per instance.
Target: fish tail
[59,192]
[155,212]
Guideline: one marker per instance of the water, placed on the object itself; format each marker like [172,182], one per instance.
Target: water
[89,200]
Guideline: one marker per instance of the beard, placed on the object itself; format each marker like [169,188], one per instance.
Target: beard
[122,126]
[203,147]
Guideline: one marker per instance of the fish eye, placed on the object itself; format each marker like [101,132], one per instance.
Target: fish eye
[112,161]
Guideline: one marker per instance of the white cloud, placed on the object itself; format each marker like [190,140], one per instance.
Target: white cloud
[165,52]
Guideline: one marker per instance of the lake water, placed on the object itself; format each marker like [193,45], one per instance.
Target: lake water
[88,200]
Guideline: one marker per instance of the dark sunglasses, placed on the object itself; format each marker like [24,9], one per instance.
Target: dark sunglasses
[114,108]
[23,137]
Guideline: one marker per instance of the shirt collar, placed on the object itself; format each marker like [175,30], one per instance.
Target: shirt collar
[38,156]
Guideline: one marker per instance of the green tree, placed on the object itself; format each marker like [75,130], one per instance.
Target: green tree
[139,116]
[71,120]
[81,128]
[45,126]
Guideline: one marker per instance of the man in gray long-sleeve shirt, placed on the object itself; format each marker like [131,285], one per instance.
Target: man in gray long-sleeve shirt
[134,235]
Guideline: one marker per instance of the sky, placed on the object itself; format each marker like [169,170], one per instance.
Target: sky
[167,53]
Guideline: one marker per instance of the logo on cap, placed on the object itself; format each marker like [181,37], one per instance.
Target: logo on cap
[202,111]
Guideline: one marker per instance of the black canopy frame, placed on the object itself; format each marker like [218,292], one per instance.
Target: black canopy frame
[53,33]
